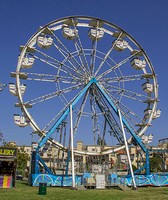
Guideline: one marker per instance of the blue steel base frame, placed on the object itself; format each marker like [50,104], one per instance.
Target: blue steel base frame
[54,180]
[36,158]
[159,180]
[156,180]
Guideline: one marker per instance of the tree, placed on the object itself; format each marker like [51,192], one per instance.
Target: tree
[101,142]
[22,158]
[155,163]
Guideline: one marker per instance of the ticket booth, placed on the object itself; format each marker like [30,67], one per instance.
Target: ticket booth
[7,167]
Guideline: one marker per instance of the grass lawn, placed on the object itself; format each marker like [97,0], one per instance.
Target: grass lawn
[25,192]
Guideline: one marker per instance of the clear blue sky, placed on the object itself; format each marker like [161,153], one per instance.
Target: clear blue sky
[145,20]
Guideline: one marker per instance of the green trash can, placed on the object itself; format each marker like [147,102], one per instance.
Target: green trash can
[42,188]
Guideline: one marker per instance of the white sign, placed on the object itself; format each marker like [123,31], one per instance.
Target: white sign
[100,181]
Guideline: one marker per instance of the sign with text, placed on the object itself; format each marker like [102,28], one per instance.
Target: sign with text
[100,181]
[6,151]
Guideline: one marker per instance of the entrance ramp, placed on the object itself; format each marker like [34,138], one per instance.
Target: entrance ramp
[123,187]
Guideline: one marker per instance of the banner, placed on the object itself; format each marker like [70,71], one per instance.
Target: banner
[7,151]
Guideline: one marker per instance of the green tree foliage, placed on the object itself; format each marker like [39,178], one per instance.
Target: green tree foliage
[22,158]
[156,163]
[134,167]
[101,142]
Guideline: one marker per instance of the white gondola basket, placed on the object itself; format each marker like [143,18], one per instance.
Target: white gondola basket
[27,62]
[138,64]
[120,45]
[20,120]
[44,42]
[96,34]
[69,33]
[147,87]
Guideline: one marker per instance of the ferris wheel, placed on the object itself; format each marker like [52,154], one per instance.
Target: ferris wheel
[98,69]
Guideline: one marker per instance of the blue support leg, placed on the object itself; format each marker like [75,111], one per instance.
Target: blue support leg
[35,163]
[147,163]
[37,170]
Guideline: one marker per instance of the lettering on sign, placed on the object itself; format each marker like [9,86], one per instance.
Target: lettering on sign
[7,152]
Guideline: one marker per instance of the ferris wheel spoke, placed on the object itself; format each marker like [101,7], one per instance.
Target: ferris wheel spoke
[63,99]
[131,121]
[102,55]
[63,70]
[122,78]
[71,60]
[116,66]
[60,113]
[94,117]
[80,47]
[80,112]
[40,77]
[107,55]
[51,78]
[94,50]
[61,65]
[54,119]
[52,64]
[68,79]
[129,114]
[47,57]
[82,59]
[126,110]
[69,55]
[127,93]
[93,56]
[122,94]
[104,60]
[53,94]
